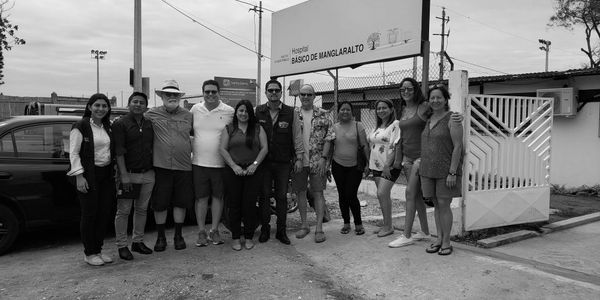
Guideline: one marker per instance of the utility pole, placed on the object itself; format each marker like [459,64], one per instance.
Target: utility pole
[546,48]
[443,35]
[137,46]
[259,54]
[98,55]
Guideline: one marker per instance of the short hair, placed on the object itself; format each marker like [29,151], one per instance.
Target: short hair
[442,88]
[137,94]
[344,103]
[273,81]
[211,82]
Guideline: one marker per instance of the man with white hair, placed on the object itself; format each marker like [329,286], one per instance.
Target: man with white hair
[172,162]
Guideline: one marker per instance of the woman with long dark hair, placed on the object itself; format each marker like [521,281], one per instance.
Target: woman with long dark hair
[91,154]
[243,147]
[382,141]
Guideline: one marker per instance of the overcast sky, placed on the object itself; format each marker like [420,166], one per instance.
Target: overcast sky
[501,36]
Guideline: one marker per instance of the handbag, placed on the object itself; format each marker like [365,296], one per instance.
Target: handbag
[361,158]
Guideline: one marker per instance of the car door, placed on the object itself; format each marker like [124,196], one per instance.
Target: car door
[35,175]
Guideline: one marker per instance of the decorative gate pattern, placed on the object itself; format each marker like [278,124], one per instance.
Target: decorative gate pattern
[507,167]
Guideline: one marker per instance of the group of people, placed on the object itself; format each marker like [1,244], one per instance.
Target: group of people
[169,157]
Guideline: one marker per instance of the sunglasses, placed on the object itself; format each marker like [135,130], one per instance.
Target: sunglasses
[273,91]
[171,94]
[211,92]
[306,95]
[407,89]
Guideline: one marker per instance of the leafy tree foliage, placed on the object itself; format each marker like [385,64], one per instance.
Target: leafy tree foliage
[575,13]
[7,34]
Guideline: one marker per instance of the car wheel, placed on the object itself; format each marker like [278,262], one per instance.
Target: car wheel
[9,228]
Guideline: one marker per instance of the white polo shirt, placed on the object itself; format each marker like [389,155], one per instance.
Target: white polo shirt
[208,125]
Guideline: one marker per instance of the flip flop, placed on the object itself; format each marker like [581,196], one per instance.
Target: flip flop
[433,248]
[359,230]
[346,229]
[445,251]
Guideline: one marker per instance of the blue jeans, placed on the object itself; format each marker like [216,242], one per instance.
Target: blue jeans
[140,208]
[276,175]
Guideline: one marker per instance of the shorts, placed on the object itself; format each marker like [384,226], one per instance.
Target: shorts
[300,181]
[172,187]
[436,187]
[208,181]
[395,173]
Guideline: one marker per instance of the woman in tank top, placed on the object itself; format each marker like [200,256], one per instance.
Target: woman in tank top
[441,161]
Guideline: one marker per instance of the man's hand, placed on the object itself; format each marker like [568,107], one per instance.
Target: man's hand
[126,182]
[82,184]
[251,169]
[238,170]
[298,166]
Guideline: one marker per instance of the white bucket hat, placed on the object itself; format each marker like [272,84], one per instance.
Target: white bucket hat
[170,86]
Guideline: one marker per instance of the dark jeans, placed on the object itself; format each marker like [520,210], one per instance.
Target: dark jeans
[347,180]
[96,206]
[242,193]
[275,175]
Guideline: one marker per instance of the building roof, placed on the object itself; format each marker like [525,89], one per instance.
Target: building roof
[537,75]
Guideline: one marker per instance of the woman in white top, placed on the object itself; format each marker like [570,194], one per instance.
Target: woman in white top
[91,156]
[382,140]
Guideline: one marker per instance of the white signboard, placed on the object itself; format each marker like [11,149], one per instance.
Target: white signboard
[327,34]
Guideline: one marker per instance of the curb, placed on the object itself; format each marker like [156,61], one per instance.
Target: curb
[520,235]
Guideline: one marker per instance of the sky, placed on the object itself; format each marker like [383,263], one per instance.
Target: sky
[486,38]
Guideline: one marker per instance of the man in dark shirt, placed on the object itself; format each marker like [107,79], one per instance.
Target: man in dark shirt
[133,136]
[285,145]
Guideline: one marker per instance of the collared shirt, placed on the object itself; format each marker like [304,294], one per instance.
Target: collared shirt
[274,113]
[134,141]
[101,148]
[321,130]
[208,125]
[172,143]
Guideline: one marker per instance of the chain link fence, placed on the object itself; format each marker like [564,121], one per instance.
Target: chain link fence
[364,91]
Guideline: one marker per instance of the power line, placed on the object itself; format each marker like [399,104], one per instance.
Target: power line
[210,29]
[480,66]
[254,5]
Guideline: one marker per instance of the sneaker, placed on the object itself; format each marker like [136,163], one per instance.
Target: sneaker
[161,244]
[236,245]
[363,203]
[105,258]
[93,260]
[202,239]
[215,237]
[419,236]
[401,241]
[249,244]
[179,242]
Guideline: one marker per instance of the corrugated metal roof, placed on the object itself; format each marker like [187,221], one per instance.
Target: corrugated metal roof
[538,75]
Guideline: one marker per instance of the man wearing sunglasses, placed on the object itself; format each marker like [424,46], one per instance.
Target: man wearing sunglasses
[285,145]
[210,117]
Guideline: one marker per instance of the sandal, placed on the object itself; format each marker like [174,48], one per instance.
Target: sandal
[359,230]
[319,236]
[433,248]
[445,251]
[302,233]
[383,233]
[346,229]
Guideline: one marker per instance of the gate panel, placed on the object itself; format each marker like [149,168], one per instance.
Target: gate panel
[507,166]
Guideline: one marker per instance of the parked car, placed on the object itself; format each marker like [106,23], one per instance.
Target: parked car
[34,159]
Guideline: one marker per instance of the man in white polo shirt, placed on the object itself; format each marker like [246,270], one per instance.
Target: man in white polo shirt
[210,117]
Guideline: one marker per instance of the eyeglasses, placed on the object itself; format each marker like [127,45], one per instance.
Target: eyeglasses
[306,95]
[211,92]
[439,85]
[407,90]
[273,91]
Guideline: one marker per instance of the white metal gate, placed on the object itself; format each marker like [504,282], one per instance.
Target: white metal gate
[507,166]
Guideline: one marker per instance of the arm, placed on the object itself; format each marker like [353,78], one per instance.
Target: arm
[225,154]
[456,133]
[264,148]
[119,133]
[298,143]
[362,138]
[75,139]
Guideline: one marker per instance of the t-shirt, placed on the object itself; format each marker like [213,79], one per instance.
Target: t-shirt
[208,125]
[382,141]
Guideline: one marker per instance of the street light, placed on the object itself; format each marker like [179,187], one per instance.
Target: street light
[98,55]
[546,48]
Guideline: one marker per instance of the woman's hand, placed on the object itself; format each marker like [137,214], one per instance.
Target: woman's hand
[322,168]
[451,181]
[82,184]
[386,172]
[238,170]
[298,166]
[366,172]
[251,169]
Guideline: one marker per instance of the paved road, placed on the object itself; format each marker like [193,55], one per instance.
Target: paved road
[343,267]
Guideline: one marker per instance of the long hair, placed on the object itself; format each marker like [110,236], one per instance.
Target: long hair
[418,95]
[252,121]
[88,113]
[392,116]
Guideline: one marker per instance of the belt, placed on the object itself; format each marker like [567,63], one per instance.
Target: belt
[138,170]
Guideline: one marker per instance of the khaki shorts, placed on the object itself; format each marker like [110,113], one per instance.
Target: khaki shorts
[300,181]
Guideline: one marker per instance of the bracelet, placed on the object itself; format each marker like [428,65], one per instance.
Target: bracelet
[452,174]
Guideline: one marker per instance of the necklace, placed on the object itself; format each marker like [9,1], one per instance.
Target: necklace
[140,124]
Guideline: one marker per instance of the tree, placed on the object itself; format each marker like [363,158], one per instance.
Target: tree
[7,34]
[572,13]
